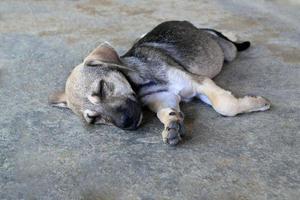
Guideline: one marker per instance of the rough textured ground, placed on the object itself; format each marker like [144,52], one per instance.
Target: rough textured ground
[48,153]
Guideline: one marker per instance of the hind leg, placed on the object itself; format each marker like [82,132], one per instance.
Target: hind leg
[229,49]
[224,102]
[166,107]
[227,46]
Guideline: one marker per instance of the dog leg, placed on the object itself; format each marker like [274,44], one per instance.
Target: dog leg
[166,106]
[224,102]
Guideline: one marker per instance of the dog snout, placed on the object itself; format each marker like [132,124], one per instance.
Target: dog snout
[130,115]
[128,122]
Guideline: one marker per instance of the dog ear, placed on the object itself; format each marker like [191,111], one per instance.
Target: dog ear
[104,53]
[58,99]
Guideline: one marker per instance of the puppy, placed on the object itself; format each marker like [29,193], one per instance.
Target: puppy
[174,62]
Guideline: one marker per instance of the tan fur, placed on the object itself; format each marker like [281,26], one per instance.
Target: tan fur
[103,53]
[184,85]
[166,106]
[100,71]
[58,99]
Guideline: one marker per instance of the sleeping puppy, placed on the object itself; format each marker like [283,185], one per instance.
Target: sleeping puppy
[173,62]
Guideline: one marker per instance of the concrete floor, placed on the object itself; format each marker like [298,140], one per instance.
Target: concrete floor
[49,153]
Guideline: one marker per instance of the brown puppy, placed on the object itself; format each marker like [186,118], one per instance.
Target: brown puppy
[173,62]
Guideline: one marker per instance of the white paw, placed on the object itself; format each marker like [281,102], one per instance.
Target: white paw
[259,103]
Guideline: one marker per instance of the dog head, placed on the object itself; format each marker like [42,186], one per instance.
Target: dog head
[99,91]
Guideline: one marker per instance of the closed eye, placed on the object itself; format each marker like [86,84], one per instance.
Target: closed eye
[102,89]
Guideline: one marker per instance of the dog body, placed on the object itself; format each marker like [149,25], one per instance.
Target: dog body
[174,62]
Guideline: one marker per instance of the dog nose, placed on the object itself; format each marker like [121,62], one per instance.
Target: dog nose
[131,115]
[127,122]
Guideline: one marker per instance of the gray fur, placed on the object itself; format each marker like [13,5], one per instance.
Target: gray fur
[176,44]
[228,48]
[181,45]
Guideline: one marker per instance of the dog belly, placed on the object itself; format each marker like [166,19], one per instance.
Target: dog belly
[187,94]
[182,84]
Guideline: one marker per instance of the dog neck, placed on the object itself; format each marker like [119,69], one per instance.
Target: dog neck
[141,78]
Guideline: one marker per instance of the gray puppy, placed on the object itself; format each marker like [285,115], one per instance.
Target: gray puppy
[174,62]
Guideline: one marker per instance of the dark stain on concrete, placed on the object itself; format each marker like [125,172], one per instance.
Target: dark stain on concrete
[71,40]
[287,54]
[82,30]
[103,7]
[131,11]
[241,22]
[94,7]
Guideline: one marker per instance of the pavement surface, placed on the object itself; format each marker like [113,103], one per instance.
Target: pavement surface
[49,153]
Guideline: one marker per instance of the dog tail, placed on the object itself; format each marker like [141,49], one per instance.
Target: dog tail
[239,46]
[242,46]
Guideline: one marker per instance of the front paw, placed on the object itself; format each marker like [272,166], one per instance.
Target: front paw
[173,133]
